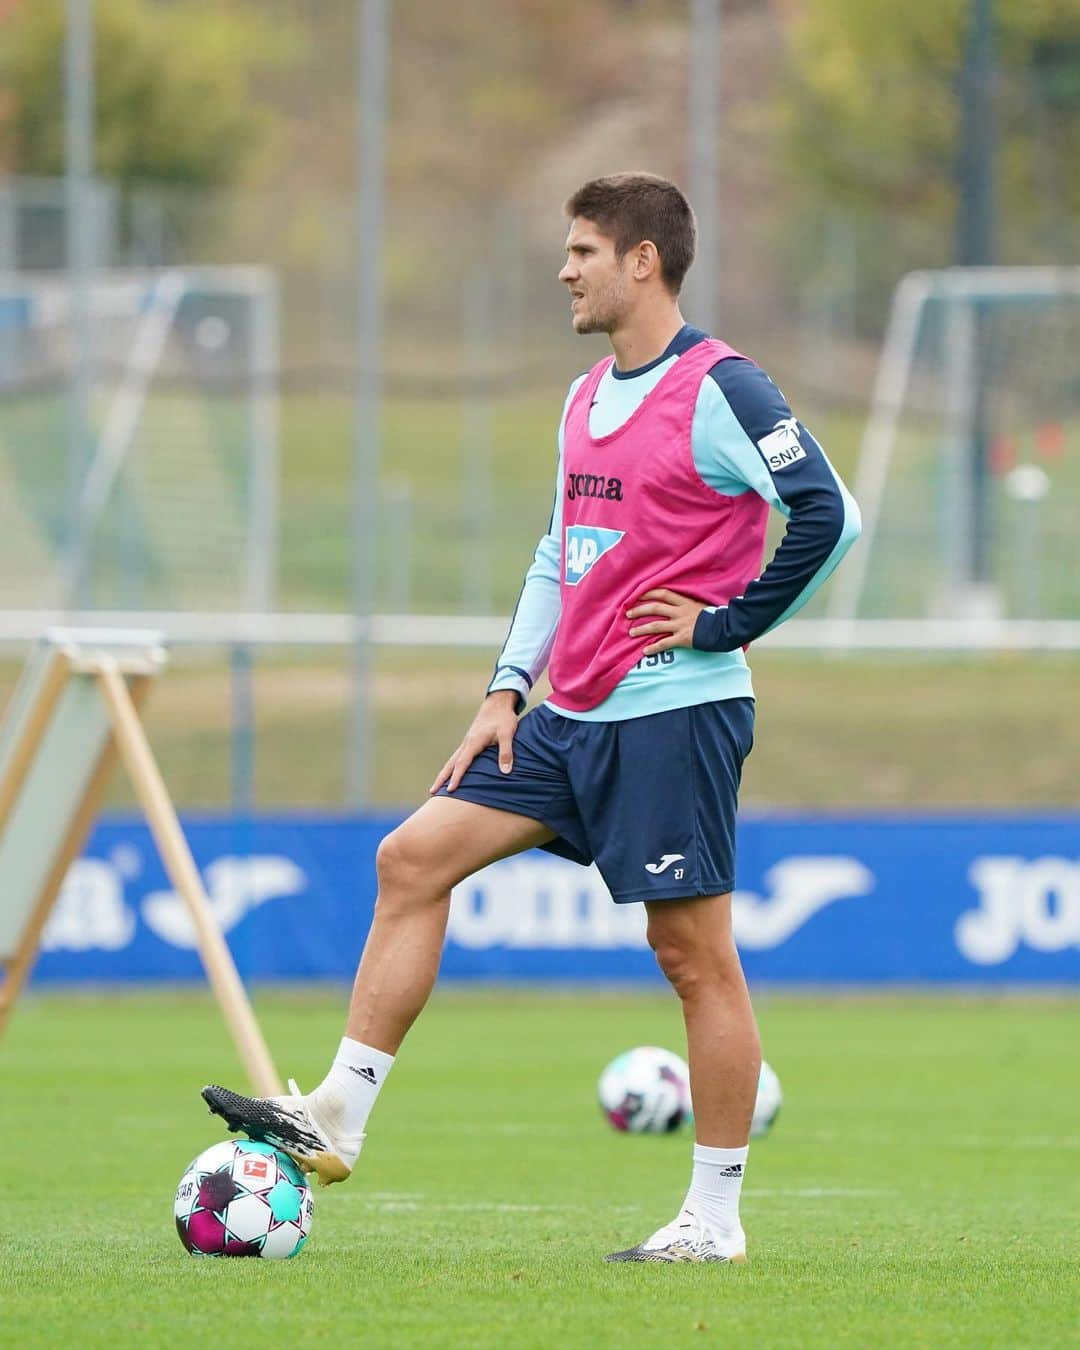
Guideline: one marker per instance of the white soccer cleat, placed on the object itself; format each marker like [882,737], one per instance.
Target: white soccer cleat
[304,1127]
[685,1239]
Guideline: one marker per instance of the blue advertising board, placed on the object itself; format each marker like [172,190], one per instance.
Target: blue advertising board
[821,900]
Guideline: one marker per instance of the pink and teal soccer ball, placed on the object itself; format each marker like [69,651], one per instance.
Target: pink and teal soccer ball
[242,1198]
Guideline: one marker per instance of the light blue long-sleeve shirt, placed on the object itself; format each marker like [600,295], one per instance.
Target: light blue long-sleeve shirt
[744,439]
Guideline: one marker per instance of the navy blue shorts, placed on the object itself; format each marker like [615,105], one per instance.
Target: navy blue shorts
[651,799]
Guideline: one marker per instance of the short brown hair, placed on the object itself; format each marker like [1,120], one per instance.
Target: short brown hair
[632,207]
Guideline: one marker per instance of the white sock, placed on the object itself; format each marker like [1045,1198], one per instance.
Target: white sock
[356,1075]
[715,1185]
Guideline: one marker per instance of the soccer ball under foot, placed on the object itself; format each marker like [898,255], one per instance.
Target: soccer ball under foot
[243,1198]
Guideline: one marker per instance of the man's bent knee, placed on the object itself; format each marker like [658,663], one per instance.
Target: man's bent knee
[400,864]
[444,842]
[447,840]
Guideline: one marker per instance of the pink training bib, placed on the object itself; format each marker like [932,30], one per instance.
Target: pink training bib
[636,515]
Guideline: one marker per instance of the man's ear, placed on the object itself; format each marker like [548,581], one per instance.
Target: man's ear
[646,260]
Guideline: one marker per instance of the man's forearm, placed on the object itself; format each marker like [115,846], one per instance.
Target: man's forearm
[816,540]
[532,630]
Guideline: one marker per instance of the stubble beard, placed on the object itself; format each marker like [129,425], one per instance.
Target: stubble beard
[603,314]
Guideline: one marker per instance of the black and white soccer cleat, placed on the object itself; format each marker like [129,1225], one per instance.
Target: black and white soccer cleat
[686,1240]
[299,1125]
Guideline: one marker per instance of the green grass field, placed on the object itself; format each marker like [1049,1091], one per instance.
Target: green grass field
[919,1188]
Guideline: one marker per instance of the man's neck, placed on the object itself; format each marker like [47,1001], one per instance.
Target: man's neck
[645,339]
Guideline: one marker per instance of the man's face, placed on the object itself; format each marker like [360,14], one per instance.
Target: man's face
[595,279]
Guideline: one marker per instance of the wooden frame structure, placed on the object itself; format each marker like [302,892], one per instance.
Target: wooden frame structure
[73,714]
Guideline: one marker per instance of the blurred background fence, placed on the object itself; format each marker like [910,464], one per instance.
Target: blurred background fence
[219,349]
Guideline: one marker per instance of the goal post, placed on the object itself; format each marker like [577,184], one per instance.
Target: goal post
[74,713]
[176,496]
[971,453]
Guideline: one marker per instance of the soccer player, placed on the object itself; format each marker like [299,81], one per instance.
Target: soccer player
[641,600]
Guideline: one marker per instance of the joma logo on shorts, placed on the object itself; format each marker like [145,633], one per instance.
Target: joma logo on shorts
[593,485]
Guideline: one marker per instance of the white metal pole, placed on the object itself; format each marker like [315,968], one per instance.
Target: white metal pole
[958,498]
[263,507]
[372,65]
[79,227]
[702,144]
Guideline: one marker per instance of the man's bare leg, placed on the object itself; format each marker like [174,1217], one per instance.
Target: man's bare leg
[418,864]
[696,951]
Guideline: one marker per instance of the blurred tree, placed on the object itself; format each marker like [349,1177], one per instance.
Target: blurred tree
[172,85]
[871,104]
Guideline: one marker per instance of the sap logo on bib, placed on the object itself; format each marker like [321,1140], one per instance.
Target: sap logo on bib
[585,544]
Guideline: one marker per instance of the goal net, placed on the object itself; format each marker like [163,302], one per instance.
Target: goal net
[970,465]
[163,495]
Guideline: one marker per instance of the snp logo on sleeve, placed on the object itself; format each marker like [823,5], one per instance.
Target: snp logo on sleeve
[781,446]
[585,544]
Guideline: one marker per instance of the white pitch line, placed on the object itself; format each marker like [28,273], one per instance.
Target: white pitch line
[959,1140]
[491,1127]
[475,1207]
[391,1202]
[411,1202]
[1014,1141]
[813,1192]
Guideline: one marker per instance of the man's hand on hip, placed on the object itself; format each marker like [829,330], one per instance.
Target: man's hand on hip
[494,724]
[670,614]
